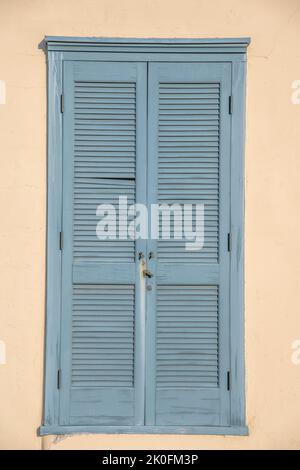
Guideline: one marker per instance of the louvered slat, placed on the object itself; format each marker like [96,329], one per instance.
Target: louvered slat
[104,164]
[187,336]
[188,161]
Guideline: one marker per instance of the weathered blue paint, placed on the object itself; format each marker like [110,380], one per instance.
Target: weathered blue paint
[156,45]
[53,272]
[153,411]
[208,430]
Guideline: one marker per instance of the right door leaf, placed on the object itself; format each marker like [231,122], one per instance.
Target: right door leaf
[189,161]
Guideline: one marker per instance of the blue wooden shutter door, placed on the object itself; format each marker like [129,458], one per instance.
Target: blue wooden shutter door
[129,355]
[102,341]
[188,331]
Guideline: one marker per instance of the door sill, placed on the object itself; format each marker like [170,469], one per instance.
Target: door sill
[205,430]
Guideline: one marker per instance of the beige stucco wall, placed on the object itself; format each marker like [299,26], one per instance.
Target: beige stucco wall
[272,204]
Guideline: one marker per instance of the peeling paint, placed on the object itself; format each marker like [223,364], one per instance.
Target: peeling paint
[49,441]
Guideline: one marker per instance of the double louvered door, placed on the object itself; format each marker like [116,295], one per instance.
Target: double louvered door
[135,350]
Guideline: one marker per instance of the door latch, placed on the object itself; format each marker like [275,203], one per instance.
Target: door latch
[147,273]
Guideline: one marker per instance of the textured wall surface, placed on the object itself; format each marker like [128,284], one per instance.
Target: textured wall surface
[272,274]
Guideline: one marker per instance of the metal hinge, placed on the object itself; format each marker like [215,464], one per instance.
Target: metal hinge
[228,380]
[230,104]
[60,241]
[61,103]
[58,378]
[229,241]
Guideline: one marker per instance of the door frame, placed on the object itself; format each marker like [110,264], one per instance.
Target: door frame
[61,49]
